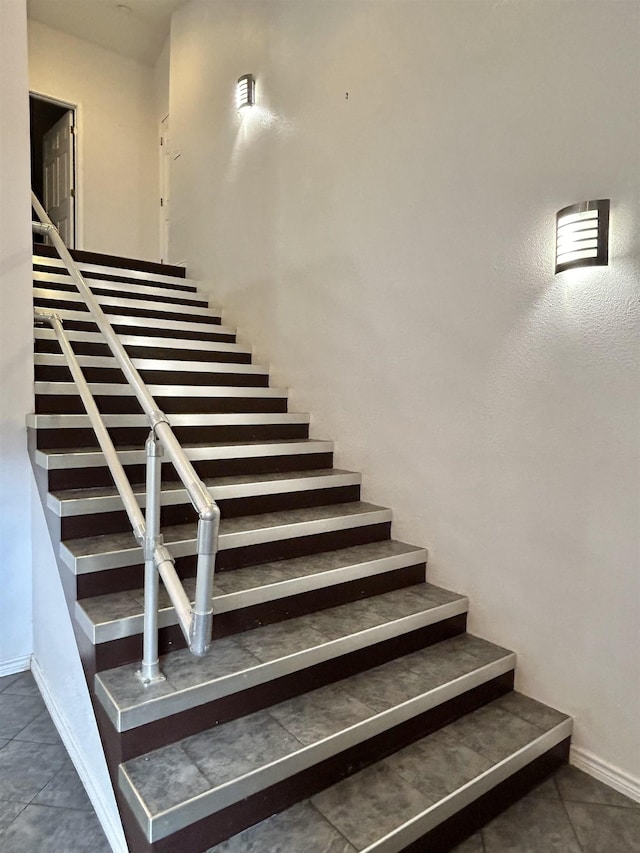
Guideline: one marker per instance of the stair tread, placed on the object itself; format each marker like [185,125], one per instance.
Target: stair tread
[231,660]
[90,456]
[110,303]
[122,389]
[103,610]
[53,280]
[107,498]
[416,784]
[349,710]
[75,421]
[118,542]
[101,263]
[109,362]
[151,323]
[44,332]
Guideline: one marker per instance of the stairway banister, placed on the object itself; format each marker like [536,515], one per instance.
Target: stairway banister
[197,623]
[104,439]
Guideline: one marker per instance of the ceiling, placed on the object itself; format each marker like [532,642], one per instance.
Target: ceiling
[133,28]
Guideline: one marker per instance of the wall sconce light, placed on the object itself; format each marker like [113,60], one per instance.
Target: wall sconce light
[245,91]
[582,235]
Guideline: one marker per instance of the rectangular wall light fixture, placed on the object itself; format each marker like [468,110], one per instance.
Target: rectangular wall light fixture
[582,235]
[245,91]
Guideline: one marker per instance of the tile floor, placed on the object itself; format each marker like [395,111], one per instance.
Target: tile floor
[44,809]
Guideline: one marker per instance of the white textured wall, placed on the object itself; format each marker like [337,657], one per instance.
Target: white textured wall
[58,671]
[16,361]
[390,254]
[117,129]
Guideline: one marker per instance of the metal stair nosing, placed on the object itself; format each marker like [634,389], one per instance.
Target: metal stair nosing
[64,284]
[110,304]
[70,459]
[77,335]
[127,320]
[184,541]
[219,797]
[118,627]
[159,704]
[153,364]
[115,272]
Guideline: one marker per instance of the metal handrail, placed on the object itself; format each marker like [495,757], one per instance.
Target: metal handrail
[195,622]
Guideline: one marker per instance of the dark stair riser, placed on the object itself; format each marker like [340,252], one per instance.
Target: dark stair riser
[52,404]
[96,348]
[210,334]
[113,375]
[162,298]
[223,824]
[128,311]
[145,738]
[77,527]
[105,260]
[73,478]
[189,435]
[93,276]
[132,577]
[129,649]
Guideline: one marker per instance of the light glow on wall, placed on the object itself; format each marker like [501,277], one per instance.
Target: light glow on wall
[582,235]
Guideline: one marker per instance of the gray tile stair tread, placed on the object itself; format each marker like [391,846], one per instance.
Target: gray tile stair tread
[64,451]
[176,486]
[122,541]
[228,751]
[241,652]
[366,805]
[118,605]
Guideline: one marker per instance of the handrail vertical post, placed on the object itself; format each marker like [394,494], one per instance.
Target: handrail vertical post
[150,667]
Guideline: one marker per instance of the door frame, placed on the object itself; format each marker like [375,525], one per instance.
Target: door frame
[164,188]
[76,149]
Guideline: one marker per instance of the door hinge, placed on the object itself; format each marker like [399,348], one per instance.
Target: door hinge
[161,202]
[161,141]
[72,129]
[73,193]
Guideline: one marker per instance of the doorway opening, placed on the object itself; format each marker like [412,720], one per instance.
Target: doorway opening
[53,163]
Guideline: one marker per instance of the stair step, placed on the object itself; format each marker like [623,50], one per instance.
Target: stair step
[120,421]
[236,495]
[75,502]
[65,459]
[123,273]
[142,364]
[127,305]
[110,617]
[137,325]
[431,794]
[53,367]
[61,283]
[143,346]
[224,765]
[112,397]
[235,664]
[73,431]
[115,389]
[100,553]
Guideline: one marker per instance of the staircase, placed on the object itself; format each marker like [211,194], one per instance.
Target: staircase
[342,706]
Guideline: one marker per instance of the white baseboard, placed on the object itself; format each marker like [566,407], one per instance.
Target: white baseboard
[15,665]
[613,776]
[112,830]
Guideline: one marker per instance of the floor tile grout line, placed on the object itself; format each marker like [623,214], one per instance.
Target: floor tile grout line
[573,829]
[325,818]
